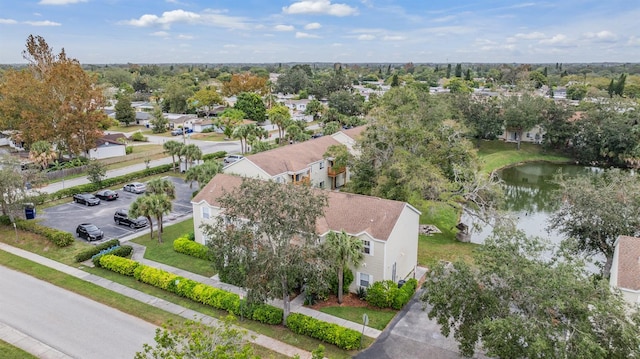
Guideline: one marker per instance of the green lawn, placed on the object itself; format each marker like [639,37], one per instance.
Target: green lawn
[441,246]
[130,128]
[8,351]
[378,318]
[164,253]
[498,154]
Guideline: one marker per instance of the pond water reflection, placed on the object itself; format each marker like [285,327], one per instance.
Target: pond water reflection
[529,198]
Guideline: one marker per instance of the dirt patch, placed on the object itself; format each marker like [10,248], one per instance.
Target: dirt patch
[348,300]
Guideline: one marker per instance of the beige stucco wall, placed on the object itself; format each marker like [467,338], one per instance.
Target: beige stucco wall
[246,168]
[198,220]
[402,245]
[320,174]
[372,264]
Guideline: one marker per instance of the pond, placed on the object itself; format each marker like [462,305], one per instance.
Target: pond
[529,198]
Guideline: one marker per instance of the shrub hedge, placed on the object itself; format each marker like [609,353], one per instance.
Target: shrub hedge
[188,288]
[214,156]
[186,246]
[120,251]
[92,187]
[344,338]
[57,237]
[90,252]
[386,294]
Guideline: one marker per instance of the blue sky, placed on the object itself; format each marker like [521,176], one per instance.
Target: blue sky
[259,31]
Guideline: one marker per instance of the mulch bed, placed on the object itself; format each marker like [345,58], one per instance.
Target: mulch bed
[348,300]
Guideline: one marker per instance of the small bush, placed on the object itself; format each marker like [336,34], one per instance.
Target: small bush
[90,252]
[120,251]
[138,136]
[267,314]
[186,246]
[361,292]
[386,294]
[128,150]
[5,220]
[331,333]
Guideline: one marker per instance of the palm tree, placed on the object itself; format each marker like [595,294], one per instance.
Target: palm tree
[203,173]
[152,205]
[280,116]
[243,132]
[191,153]
[173,148]
[161,186]
[42,153]
[343,251]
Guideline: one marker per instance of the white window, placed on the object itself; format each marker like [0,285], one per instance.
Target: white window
[321,184]
[321,164]
[364,279]
[366,247]
[206,214]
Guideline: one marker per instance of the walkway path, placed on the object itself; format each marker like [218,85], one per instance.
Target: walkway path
[28,344]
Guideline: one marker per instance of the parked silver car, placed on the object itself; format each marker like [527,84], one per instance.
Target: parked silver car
[135,187]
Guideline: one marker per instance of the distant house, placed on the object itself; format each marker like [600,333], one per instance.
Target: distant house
[388,229]
[533,135]
[625,269]
[297,163]
[108,146]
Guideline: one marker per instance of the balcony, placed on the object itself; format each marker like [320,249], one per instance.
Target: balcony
[306,180]
[334,172]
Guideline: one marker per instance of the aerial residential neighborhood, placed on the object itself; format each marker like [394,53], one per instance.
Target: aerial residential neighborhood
[319,179]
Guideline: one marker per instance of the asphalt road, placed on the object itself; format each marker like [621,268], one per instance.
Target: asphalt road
[68,322]
[412,334]
[67,216]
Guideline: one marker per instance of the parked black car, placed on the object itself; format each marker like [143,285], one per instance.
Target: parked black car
[107,195]
[122,217]
[90,232]
[86,199]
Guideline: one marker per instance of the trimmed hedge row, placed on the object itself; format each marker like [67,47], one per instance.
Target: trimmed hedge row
[331,333]
[57,237]
[386,294]
[120,251]
[90,252]
[214,156]
[188,288]
[92,187]
[186,246]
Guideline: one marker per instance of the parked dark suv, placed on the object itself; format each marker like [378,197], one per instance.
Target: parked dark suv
[90,232]
[86,199]
[121,217]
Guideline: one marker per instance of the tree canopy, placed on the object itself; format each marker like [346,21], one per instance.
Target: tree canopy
[267,236]
[512,303]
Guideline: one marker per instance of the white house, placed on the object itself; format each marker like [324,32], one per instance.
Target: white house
[302,162]
[625,269]
[388,229]
[533,135]
[107,148]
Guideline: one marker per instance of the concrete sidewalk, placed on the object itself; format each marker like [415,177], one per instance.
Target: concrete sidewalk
[42,350]
[297,304]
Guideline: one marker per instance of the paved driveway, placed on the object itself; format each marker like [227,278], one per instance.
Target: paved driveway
[67,216]
[412,334]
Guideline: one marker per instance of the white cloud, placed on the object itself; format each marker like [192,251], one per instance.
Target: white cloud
[42,23]
[207,17]
[312,26]
[443,19]
[8,21]
[229,46]
[323,7]
[634,41]
[530,36]
[366,37]
[393,38]
[304,35]
[556,39]
[60,2]
[185,37]
[160,33]
[284,28]
[602,36]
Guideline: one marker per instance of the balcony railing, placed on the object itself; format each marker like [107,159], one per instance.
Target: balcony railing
[302,180]
[333,172]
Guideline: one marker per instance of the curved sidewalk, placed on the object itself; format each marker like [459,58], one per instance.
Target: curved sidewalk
[38,349]
[296,303]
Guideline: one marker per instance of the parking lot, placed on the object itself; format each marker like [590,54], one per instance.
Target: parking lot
[67,216]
